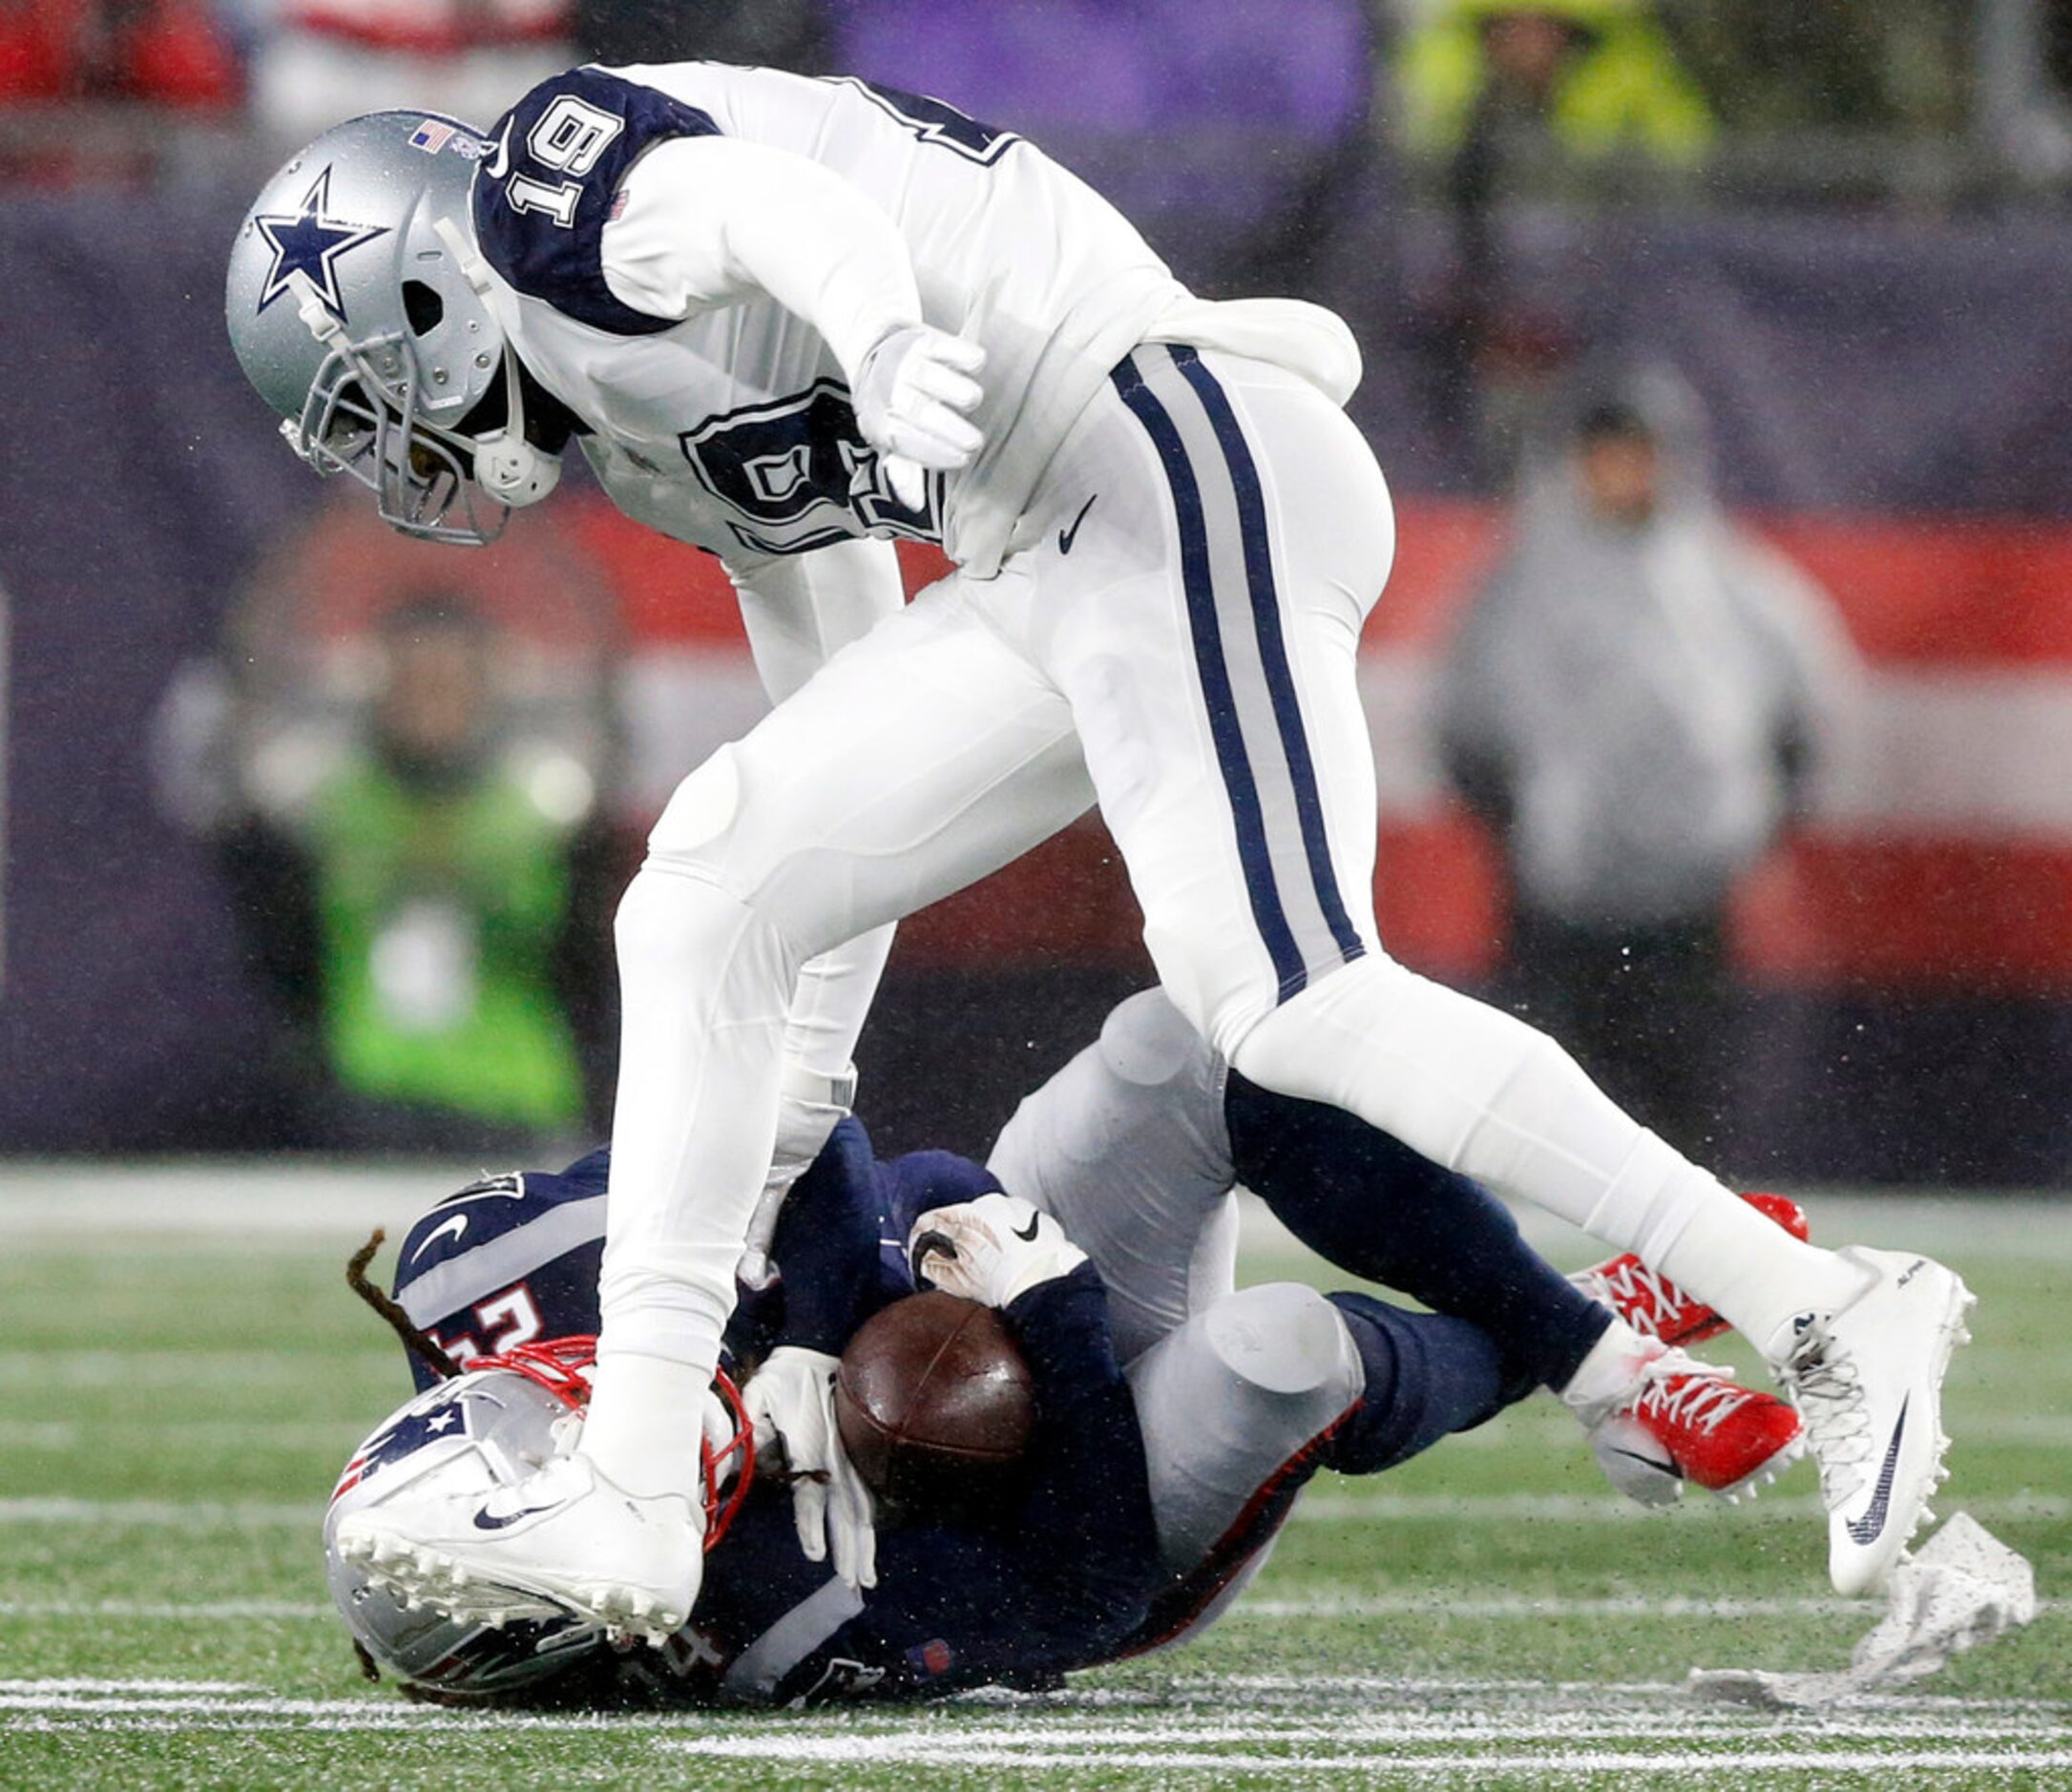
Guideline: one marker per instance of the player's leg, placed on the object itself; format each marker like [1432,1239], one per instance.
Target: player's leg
[1207,644]
[918,759]
[1368,1204]
[1127,1149]
[1248,1400]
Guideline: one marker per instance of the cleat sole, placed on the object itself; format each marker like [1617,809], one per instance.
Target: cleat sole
[1749,1486]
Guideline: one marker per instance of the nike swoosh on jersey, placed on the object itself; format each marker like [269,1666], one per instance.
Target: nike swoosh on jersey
[500,164]
[1067,536]
[455,1226]
[1866,1529]
[1036,1221]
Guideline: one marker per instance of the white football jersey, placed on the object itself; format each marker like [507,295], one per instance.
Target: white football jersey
[731,427]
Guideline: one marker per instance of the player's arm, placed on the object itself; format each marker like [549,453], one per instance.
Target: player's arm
[705,221]
[1058,1579]
[800,610]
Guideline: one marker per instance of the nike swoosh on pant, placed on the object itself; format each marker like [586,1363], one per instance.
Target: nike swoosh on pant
[1866,1529]
[1067,536]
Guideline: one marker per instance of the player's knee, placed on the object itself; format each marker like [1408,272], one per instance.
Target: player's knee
[700,815]
[1286,1343]
[673,923]
[1149,1044]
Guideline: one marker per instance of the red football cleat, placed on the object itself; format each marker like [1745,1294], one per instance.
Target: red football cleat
[1694,1423]
[1657,1307]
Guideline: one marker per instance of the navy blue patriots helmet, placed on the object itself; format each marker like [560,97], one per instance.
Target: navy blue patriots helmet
[358,306]
[487,1428]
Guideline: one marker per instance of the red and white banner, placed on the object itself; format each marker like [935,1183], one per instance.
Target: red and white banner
[1939,852]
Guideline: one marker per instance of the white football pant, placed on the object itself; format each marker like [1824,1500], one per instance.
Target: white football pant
[1175,637]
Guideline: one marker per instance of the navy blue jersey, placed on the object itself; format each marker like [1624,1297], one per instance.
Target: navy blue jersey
[1053,1576]
[515,1258]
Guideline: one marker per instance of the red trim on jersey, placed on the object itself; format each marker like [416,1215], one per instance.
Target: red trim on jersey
[1181,1608]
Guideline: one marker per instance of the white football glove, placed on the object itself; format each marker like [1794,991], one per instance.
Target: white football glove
[790,1402]
[914,395]
[992,1250]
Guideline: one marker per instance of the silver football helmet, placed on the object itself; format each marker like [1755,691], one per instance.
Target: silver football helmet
[481,1431]
[488,1427]
[356,305]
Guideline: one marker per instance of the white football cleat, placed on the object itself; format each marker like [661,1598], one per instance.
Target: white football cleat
[1868,1382]
[564,1540]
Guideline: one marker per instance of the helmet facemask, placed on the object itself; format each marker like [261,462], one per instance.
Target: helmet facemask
[363,418]
[362,310]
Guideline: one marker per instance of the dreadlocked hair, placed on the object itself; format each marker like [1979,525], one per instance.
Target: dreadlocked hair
[420,1343]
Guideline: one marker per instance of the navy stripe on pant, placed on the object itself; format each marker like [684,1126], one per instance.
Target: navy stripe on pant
[1242,660]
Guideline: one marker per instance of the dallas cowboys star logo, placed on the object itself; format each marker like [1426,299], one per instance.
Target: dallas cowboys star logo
[309,243]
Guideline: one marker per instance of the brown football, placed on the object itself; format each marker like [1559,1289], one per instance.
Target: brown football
[934,1400]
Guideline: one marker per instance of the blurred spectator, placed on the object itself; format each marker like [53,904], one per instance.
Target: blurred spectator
[428,913]
[1633,705]
[315,62]
[1511,98]
[1502,82]
[411,796]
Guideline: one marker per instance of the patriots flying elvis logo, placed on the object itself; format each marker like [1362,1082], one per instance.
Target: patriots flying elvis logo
[309,243]
[430,1419]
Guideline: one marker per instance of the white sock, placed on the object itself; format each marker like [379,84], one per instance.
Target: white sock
[1480,1091]
[1606,1379]
[645,1425]
[1754,1274]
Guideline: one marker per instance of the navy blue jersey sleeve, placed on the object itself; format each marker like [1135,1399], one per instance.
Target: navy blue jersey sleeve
[922,1180]
[837,1256]
[542,200]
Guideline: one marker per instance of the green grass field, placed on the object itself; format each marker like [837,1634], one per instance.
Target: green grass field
[175,1404]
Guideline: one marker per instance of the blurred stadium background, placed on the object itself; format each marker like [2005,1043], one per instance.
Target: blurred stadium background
[1845,225]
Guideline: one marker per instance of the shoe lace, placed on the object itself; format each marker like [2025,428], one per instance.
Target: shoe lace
[1826,1387]
[1638,1294]
[1699,1401]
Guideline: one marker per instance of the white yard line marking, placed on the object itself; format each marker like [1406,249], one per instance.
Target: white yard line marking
[60,1437]
[174,1687]
[1607,1507]
[1523,1605]
[1547,1728]
[244,1371]
[61,1510]
[1451,1766]
[204,1612]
